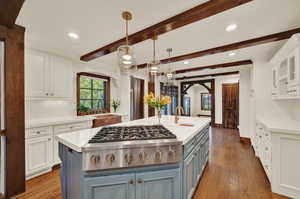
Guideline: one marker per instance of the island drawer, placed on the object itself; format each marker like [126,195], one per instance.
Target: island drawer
[72,127]
[188,147]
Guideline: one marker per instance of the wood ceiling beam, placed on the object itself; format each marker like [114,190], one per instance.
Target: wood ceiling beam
[235,46]
[9,11]
[197,13]
[208,75]
[217,66]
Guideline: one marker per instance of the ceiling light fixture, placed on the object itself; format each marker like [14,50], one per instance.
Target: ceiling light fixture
[153,65]
[231,54]
[169,74]
[186,62]
[231,27]
[73,35]
[125,52]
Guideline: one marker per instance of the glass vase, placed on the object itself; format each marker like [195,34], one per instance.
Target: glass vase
[159,116]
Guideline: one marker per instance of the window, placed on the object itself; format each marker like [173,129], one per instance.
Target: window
[93,93]
[171,91]
[205,101]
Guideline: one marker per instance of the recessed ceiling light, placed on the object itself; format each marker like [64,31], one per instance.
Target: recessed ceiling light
[186,62]
[231,27]
[73,35]
[231,54]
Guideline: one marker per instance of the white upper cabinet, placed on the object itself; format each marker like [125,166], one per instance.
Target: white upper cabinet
[61,77]
[47,76]
[286,70]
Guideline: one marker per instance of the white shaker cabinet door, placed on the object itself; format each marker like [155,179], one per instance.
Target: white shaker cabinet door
[38,155]
[37,74]
[61,78]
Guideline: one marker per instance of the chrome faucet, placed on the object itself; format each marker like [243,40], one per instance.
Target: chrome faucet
[179,110]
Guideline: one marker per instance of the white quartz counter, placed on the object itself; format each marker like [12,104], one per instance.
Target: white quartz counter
[281,126]
[62,120]
[76,140]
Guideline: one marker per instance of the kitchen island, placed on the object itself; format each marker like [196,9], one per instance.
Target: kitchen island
[161,168]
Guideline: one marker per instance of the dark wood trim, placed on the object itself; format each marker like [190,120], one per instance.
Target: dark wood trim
[2,196]
[151,88]
[14,109]
[217,66]
[245,140]
[2,133]
[201,115]
[184,86]
[107,92]
[9,11]
[57,166]
[217,125]
[208,75]
[93,75]
[230,47]
[197,13]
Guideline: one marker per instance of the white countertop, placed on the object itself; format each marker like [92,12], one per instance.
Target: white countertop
[62,120]
[76,140]
[281,126]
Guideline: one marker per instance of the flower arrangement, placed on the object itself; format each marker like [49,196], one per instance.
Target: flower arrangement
[159,103]
[115,104]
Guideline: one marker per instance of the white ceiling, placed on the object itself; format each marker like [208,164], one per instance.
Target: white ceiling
[98,23]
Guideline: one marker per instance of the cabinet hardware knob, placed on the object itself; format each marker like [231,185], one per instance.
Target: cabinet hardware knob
[140,181]
[38,132]
[49,139]
[47,94]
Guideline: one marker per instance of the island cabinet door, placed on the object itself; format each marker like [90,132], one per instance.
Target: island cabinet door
[110,187]
[163,184]
[189,176]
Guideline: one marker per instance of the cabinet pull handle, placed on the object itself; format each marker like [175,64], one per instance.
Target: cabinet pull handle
[38,132]
[49,139]
[131,182]
[140,181]
[47,94]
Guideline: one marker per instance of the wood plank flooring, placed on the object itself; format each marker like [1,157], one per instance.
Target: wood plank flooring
[233,172]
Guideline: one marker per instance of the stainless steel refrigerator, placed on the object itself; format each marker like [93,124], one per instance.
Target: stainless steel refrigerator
[2,118]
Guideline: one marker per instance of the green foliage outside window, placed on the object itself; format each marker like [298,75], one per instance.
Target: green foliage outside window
[92,93]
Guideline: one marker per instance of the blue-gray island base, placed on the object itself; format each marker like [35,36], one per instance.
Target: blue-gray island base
[170,181]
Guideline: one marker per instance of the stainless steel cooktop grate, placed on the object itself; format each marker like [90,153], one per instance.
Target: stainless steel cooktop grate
[130,133]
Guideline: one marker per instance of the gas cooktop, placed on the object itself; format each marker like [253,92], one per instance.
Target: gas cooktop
[131,133]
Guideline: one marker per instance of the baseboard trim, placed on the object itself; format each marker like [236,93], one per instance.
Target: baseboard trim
[218,125]
[245,140]
[57,166]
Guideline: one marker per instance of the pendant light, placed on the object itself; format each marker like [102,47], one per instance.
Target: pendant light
[169,75]
[126,59]
[153,66]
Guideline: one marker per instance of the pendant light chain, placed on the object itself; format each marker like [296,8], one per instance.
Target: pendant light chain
[127,32]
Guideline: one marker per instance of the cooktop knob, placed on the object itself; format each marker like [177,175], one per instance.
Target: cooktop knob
[95,159]
[129,158]
[172,154]
[142,156]
[110,158]
[158,155]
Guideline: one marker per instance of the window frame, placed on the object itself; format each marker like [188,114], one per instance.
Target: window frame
[202,102]
[106,92]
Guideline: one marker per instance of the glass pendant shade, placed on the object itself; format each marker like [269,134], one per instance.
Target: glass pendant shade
[169,75]
[153,66]
[126,60]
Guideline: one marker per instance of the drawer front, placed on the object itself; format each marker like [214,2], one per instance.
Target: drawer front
[38,132]
[293,91]
[72,127]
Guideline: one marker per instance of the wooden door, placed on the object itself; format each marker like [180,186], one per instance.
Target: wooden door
[230,99]
[137,98]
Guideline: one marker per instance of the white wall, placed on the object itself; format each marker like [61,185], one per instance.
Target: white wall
[195,95]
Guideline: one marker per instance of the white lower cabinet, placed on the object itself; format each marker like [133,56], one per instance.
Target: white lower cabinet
[38,155]
[278,153]
[42,148]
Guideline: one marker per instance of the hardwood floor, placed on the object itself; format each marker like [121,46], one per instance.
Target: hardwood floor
[233,172]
